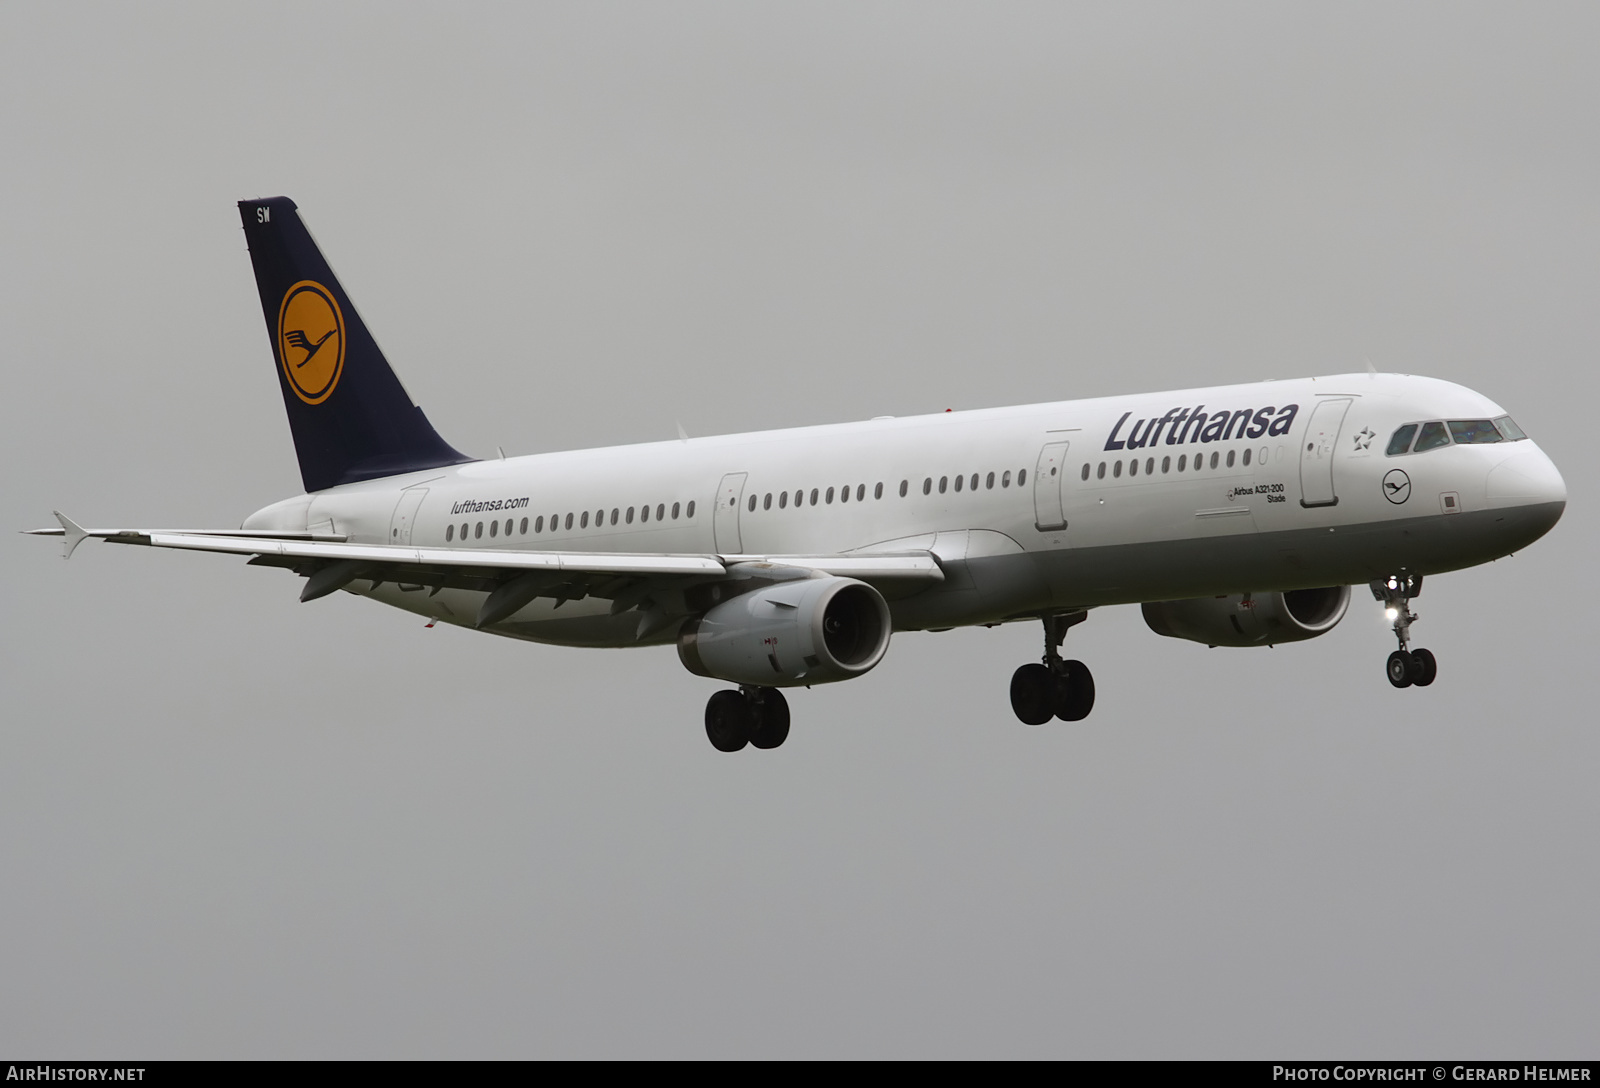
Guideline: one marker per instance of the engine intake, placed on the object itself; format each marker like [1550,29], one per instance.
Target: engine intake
[1250,619]
[810,631]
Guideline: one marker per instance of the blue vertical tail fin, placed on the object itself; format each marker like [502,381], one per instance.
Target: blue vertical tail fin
[350,416]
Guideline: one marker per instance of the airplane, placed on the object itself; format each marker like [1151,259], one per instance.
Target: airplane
[1235,516]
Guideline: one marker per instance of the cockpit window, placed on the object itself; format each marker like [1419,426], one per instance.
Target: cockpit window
[1401,442]
[1512,432]
[1433,435]
[1463,432]
[1468,432]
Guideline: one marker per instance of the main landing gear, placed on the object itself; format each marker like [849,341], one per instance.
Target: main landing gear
[755,716]
[1405,668]
[1056,688]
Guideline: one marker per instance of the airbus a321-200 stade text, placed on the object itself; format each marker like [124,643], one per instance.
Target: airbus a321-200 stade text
[1236,516]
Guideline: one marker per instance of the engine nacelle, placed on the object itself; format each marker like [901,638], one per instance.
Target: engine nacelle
[1250,619]
[808,631]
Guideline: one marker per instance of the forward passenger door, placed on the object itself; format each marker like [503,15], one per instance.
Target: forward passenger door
[1316,453]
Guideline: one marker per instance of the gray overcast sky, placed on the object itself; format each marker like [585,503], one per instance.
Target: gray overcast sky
[233,825]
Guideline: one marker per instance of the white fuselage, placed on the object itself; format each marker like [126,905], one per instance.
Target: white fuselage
[1014,502]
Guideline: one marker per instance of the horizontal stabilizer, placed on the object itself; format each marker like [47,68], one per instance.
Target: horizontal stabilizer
[72,531]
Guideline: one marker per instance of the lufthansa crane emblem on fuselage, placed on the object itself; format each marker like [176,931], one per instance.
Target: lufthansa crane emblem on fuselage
[1396,486]
[311,341]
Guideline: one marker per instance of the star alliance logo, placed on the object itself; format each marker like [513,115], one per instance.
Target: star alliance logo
[1364,438]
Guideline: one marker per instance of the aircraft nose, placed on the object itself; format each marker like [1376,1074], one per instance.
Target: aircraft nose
[1527,477]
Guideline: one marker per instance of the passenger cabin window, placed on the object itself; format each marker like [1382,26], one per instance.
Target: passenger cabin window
[449,532]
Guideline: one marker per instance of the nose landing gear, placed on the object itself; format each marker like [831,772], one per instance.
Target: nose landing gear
[1405,667]
[1056,688]
[755,716]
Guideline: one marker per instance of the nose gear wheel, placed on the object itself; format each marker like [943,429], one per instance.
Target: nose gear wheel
[1405,667]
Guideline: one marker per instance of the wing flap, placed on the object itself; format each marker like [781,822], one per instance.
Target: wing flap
[900,567]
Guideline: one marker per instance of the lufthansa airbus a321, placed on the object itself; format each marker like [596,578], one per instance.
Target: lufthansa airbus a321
[1236,516]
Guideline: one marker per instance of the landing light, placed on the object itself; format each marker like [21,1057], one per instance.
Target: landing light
[1391,613]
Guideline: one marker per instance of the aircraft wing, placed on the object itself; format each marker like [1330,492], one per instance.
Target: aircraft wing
[512,578]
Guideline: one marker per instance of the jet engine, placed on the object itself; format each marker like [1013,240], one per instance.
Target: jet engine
[809,631]
[1250,619]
